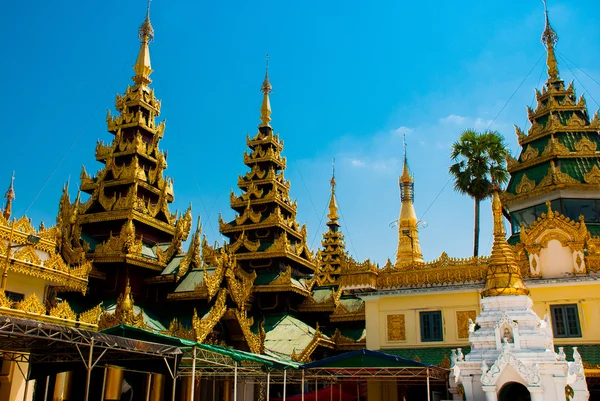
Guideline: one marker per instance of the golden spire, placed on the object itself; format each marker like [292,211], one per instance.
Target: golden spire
[265,109]
[405,178]
[142,66]
[504,275]
[409,248]
[333,207]
[127,302]
[9,196]
[549,39]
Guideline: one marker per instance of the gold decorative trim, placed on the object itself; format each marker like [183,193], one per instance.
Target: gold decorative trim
[462,322]
[396,328]
[525,185]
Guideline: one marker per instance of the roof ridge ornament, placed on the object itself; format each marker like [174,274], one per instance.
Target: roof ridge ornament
[266,89]
[549,39]
[504,275]
[9,196]
[143,67]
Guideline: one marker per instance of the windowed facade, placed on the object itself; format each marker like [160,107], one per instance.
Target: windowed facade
[431,326]
[572,208]
[565,321]
[14,296]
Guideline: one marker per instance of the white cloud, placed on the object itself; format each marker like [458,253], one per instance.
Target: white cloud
[453,119]
[382,164]
[466,122]
[403,131]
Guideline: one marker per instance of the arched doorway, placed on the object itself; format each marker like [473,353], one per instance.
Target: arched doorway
[513,391]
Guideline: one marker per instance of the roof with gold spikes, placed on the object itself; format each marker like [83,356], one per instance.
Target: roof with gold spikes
[41,261]
[561,148]
[129,195]
[503,275]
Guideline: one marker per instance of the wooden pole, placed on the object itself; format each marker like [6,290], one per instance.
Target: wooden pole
[428,390]
[89,372]
[269,385]
[103,384]
[302,384]
[235,384]
[193,374]
[284,383]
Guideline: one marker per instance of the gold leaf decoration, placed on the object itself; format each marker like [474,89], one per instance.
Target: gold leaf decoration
[525,185]
[396,330]
[32,304]
[63,311]
[592,176]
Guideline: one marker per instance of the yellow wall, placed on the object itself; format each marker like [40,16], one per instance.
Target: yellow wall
[26,285]
[449,302]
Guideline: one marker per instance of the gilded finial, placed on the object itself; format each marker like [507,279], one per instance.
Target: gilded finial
[266,89]
[549,39]
[333,207]
[127,304]
[405,178]
[146,32]
[332,182]
[142,66]
[9,196]
[504,275]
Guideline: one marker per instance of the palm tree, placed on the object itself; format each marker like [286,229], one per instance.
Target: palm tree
[479,168]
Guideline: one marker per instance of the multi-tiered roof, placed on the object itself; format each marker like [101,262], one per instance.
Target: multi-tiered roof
[265,236]
[125,226]
[559,155]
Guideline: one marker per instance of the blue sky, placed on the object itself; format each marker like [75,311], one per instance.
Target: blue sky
[349,78]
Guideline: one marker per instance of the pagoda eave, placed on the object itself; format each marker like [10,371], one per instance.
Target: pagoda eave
[237,203]
[273,255]
[348,317]
[279,162]
[127,258]
[244,183]
[228,228]
[54,276]
[530,137]
[161,279]
[544,159]
[103,156]
[509,198]
[267,140]
[124,215]
[189,295]
[326,308]
[280,288]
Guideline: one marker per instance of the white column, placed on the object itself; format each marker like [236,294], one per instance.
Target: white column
[537,393]
[490,393]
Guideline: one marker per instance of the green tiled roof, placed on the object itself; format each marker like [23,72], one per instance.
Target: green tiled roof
[173,265]
[578,167]
[539,144]
[322,295]
[535,173]
[150,320]
[355,334]
[570,138]
[264,278]
[590,353]
[352,304]
[430,356]
[193,279]
[286,334]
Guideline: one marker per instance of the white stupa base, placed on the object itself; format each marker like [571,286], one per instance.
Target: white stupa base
[511,344]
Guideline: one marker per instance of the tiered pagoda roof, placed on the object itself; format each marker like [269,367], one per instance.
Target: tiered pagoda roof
[265,236]
[126,219]
[35,254]
[560,152]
